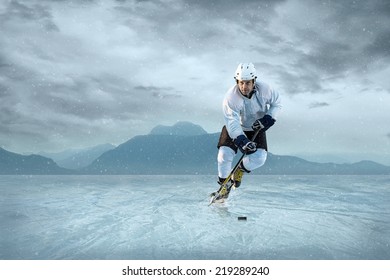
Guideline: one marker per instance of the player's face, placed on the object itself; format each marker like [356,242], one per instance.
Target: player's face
[246,86]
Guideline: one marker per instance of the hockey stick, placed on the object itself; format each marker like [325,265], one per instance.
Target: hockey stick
[224,183]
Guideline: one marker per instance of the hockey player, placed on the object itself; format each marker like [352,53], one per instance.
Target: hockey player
[248,106]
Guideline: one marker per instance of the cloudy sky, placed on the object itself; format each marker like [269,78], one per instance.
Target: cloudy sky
[75,74]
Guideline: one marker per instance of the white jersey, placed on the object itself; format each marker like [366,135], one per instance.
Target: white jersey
[240,112]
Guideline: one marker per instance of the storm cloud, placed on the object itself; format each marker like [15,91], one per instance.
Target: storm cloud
[79,73]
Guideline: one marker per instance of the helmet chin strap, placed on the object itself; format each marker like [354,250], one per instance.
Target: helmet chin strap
[252,93]
[249,96]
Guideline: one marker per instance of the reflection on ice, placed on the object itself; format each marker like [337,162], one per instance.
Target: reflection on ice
[167,217]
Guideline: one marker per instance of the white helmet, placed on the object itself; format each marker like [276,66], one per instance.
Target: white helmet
[245,72]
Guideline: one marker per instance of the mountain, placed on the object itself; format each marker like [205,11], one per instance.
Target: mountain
[59,156]
[184,148]
[179,129]
[78,158]
[164,151]
[159,154]
[15,164]
[174,153]
[290,165]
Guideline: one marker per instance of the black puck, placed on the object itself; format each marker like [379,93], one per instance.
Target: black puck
[242,218]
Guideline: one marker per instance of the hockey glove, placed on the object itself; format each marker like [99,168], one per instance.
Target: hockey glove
[265,122]
[245,145]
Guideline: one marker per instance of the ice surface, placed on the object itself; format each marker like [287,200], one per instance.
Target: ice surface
[167,217]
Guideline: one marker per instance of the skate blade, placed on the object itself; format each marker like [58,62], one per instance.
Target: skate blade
[216,200]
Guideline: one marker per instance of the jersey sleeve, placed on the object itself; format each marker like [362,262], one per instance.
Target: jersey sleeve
[275,104]
[231,112]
